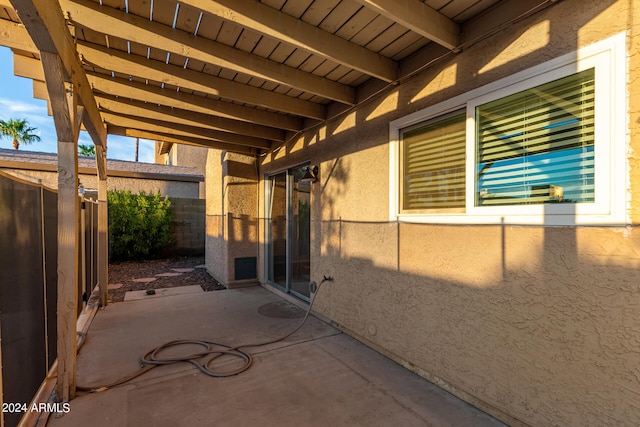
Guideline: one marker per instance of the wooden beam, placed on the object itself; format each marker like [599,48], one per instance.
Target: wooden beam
[420,18]
[275,24]
[68,228]
[28,67]
[180,130]
[185,117]
[48,30]
[199,142]
[189,114]
[159,71]
[40,90]
[171,98]
[16,36]
[115,22]
[63,116]
[164,147]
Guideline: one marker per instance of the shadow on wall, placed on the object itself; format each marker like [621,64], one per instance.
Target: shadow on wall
[518,318]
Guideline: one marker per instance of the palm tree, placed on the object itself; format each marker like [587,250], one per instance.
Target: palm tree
[19,131]
[87,150]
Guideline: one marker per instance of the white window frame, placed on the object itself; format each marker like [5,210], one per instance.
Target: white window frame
[608,57]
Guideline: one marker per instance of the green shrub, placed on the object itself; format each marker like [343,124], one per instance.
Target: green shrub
[139,225]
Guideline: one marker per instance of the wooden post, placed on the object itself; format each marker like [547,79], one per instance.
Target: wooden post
[48,29]
[67,267]
[103,241]
[68,222]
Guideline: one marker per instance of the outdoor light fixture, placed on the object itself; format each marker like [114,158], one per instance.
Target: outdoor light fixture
[310,176]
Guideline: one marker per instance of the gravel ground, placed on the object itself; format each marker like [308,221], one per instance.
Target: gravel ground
[124,273]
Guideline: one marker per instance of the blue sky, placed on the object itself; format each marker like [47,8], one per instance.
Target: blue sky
[17,102]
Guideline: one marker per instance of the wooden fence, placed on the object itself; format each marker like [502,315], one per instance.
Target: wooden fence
[28,284]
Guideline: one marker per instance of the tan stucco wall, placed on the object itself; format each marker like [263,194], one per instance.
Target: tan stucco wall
[536,324]
[215,246]
[232,201]
[135,185]
[184,155]
[196,157]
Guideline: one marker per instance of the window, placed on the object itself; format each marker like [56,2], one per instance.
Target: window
[433,158]
[544,146]
[536,146]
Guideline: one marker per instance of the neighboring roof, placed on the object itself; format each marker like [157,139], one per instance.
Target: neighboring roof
[34,160]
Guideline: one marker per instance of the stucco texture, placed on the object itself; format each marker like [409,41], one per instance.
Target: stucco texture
[231,222]
[537,325]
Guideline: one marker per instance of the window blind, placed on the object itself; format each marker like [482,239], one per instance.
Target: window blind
[536,146]
[434,165]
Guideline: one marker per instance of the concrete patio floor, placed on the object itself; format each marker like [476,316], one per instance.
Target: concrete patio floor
[317,377]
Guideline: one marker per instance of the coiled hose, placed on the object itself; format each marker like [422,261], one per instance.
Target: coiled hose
[203,359]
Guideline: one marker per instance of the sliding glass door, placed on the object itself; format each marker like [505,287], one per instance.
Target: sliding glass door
[288,231]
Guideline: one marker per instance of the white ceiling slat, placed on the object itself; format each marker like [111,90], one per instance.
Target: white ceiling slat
[318,11]
[288,29]
[163,11]
[162,37]
[173,127]
[276,4]
[420,18]
[404,45]
[209,27]
[117,4]
[386,38]
[91,36]
[193,118]
[190,101]
[214,70]
[297,58]
[312,63]
[282,52]
[140,8]
[187,19]
[296,8]
[265,47]
[326,67]
[247,41]
[340,14]
[252,60]
[437,4]
[229,34]
[356,23]
[176,75]
[339,73]
[473,10]
[189,140]
[454,9]
[373,29]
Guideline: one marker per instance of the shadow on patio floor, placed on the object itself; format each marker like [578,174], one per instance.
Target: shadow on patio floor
[316,377]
